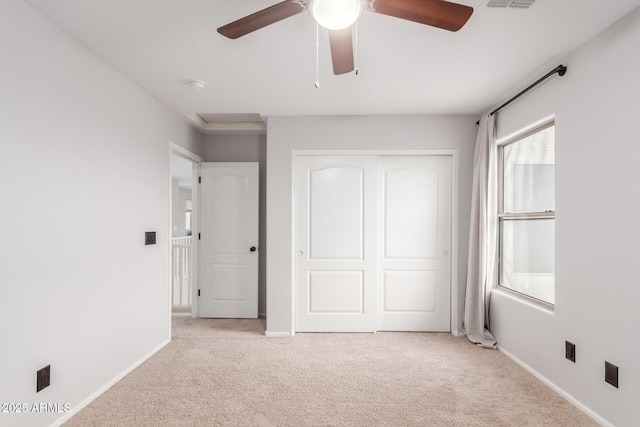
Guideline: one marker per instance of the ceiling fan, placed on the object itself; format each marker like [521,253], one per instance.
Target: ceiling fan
[338,16]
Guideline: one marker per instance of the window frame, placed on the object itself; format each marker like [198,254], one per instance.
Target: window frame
[519,216]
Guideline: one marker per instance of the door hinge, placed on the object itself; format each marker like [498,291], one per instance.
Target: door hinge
[198,292]
[199,180]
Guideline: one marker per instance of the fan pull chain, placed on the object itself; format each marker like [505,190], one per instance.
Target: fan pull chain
[317,83]
[356,55]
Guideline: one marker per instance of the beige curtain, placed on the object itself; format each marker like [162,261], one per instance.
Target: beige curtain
[482,236]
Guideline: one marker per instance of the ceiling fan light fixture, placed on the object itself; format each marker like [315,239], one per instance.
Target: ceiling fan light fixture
[336,14]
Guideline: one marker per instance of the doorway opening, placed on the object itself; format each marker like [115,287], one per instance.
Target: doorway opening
[184,168]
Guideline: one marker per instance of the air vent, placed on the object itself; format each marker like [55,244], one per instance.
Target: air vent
[521,4]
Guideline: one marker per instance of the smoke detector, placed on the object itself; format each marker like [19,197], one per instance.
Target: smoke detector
[521,4]
[197,85]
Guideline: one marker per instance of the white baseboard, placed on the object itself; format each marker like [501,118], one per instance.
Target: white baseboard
[107,386]
[597,418]
[279,334]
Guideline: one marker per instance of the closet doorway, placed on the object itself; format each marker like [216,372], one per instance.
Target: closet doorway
[372,242]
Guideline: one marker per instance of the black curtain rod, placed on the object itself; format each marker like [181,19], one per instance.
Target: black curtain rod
[560,69]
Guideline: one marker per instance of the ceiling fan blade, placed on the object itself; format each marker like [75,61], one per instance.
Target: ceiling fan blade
[255,21]
[436,13]
[341,45]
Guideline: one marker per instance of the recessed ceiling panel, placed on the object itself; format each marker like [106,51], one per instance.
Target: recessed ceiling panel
[231,118]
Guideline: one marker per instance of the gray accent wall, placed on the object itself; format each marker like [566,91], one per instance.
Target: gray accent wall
[286,134]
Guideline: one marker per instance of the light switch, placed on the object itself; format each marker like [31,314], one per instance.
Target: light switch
[150,238]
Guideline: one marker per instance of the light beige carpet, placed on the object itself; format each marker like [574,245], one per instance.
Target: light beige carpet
[181,309]
[226,372]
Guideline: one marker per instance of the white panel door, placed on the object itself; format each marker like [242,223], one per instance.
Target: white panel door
[335,229]
[415,243]
[229,240]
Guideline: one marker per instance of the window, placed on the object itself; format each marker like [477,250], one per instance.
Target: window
[527,214]
[188,210]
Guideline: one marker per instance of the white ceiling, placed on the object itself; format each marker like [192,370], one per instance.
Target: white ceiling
[405,68]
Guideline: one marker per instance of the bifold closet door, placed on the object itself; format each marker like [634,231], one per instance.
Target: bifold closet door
[414,263]
[335,229]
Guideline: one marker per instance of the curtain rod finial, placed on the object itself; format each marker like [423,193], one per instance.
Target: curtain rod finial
[562,70]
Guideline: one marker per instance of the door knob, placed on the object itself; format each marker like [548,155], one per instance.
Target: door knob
[253,249]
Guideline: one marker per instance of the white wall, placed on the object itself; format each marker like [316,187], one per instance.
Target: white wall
[597,108]
[246,147]
[285,134]
[86,154]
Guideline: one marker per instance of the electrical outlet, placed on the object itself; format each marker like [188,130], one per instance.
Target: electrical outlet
[150,238]
[43,378]
[611,374]
[570,351]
